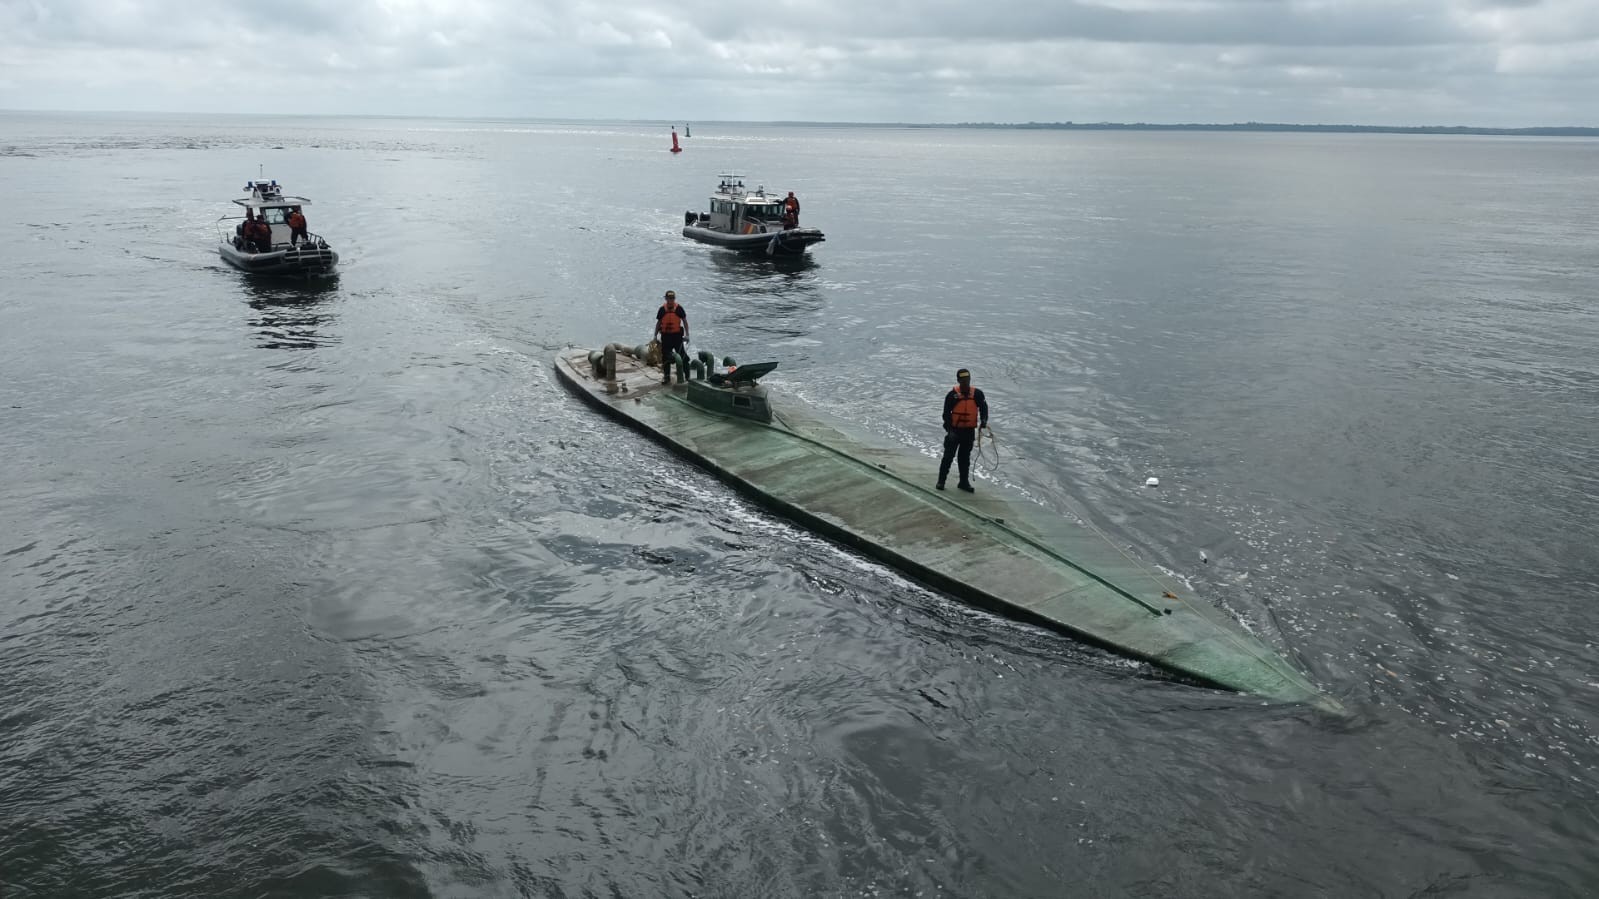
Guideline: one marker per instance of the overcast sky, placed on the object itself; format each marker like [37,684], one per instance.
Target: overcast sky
[1430,62]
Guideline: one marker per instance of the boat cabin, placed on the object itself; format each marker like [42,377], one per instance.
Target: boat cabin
[267,202]
[735,210]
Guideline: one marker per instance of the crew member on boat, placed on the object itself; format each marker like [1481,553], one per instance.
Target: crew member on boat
[965,410]
[790,211]
[671,327]
[297,227]
[257,234]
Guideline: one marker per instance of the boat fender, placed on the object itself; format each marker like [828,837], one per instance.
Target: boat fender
[771,246]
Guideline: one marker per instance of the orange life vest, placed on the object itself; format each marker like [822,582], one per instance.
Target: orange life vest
[296,220]
[965,414]
[671,322]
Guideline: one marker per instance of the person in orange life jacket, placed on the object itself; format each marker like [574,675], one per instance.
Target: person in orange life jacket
[671,326]
[297,226]
[965,410]
[257,234]
[790,211]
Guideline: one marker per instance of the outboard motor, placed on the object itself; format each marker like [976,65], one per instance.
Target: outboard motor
[690,217]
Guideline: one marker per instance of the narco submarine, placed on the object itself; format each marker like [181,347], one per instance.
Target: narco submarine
[993,549]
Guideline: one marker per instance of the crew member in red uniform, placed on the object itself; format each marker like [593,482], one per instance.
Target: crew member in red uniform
[965,410]
[790,211]
[671,326]
[297,230]
[258,235]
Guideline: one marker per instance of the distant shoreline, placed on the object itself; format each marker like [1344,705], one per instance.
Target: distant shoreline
[1540,131]
[1535,131]
[1268,127]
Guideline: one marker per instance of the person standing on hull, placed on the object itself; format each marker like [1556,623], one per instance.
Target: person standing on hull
[671,327]
[965,410]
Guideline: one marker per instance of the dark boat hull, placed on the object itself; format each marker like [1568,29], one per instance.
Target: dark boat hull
[302,260]
[791,242]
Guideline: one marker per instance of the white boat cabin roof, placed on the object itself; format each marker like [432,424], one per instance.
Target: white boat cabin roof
[731,187]
[267,195]
[279,203]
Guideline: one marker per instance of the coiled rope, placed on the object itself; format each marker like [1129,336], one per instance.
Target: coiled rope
[986,462]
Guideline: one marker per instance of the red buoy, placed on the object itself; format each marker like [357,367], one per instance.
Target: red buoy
[675,147]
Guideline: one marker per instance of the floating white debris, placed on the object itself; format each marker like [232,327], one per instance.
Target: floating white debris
[1152,482]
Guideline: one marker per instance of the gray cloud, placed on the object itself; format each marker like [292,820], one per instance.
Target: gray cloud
[1496,62]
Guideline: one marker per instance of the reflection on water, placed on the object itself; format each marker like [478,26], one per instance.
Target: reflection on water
[292,313]
[767,274]
[775,297]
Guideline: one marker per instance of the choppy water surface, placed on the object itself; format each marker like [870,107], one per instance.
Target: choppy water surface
[330,589]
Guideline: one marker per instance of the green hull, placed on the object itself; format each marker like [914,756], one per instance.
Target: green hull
[992,549]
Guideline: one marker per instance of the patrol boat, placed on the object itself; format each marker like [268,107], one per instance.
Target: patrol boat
[266,201]
[993,549]
[747,221]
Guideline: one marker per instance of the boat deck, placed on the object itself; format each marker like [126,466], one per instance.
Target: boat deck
[994,549]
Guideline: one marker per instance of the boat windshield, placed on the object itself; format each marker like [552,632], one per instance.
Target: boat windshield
[769,210]
[274,215]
